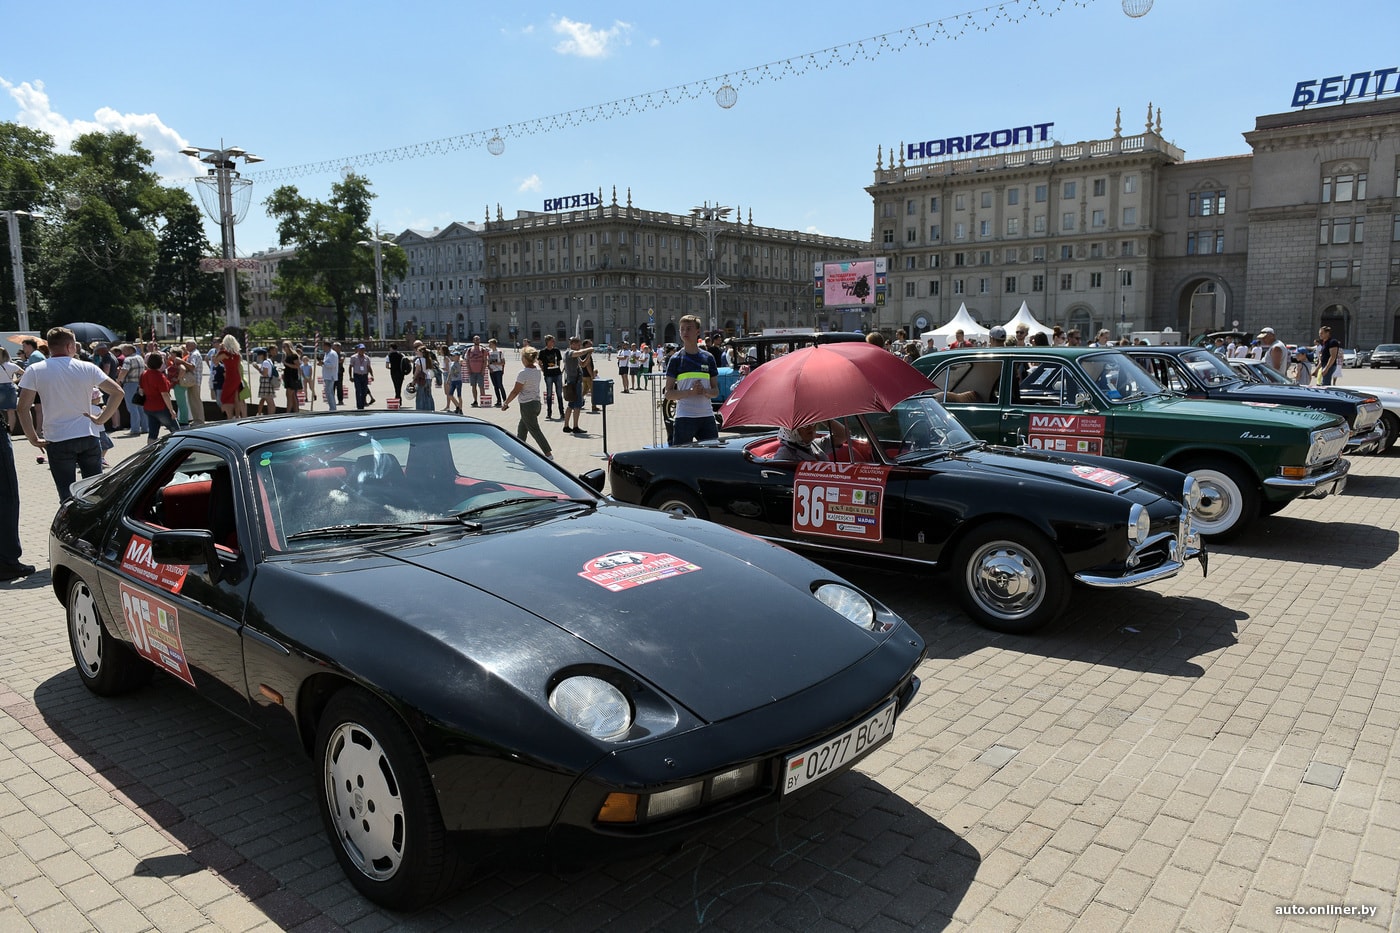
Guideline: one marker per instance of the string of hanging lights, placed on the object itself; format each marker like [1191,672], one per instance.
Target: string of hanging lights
[722,88]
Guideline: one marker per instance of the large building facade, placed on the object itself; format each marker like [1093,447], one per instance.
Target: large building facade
[442,296]
[613,272]
[1124,233]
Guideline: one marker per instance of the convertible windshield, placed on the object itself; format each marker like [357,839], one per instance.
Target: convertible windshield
[392,483]
[917,428]
[1119,379]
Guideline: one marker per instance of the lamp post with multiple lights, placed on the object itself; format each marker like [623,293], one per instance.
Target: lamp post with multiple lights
[225,175]
[378,244]
[710,218]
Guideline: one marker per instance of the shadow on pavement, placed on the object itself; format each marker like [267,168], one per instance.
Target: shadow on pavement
[1315,544]
[848,851]
[1134,629]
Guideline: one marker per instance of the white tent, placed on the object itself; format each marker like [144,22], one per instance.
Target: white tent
[1024,316]
[962,321]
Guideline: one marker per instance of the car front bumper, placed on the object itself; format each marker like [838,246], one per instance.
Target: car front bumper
[1369,443]
[1320,486]
[1182,547]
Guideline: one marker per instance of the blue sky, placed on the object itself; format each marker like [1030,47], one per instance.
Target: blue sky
[300,82]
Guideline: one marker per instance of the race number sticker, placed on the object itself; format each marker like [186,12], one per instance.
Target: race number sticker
[1068,434]
[622,570]
[154,625]
[136,561]
[839,500]
[1099,475]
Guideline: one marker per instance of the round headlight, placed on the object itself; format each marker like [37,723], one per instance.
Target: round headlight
[593,706]
[1139,525]
[1191,494]
[848,602]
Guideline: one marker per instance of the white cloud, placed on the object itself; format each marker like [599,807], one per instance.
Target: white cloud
[583,40]
[532,183]
[165,143]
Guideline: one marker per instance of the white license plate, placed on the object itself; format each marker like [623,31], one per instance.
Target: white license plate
[830,754]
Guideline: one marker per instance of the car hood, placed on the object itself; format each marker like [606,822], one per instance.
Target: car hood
[1268,415]
[1025,462]
[722,622]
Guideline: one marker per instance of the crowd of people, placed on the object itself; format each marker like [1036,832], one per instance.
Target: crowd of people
[1318,363]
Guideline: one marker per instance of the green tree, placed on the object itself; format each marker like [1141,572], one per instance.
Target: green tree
[329,263]
[98,249]
[177,285]
[25,154]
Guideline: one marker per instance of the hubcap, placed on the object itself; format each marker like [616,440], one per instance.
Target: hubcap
[1006,580]
[87,630]
[364,797]
[673,505]
[1217,502]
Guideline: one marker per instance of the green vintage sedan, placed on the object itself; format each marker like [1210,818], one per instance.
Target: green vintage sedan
[1249,459]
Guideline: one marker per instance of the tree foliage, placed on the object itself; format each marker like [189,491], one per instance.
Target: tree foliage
[177,285]
[330,264]
[24,155]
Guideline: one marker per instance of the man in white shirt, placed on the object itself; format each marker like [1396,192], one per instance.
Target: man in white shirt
[194,393]
[70,428]
[330,375]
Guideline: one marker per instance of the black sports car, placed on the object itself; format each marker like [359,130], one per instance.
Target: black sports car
[1015,527]
[473,646]
[1196,372]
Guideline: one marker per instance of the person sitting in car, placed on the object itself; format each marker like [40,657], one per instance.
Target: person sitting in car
[799,444]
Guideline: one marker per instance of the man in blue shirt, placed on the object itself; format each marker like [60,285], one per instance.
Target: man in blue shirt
[692,379]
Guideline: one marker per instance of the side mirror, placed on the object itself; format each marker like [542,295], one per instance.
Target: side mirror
[187,548]
[594,480]
[1083,400]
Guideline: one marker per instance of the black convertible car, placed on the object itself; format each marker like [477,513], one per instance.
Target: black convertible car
[1196,372]
[1014,527]
[484,658]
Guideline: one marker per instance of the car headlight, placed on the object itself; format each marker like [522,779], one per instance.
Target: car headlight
[592,705]
[1139,525]
[848,602]
[1191,494]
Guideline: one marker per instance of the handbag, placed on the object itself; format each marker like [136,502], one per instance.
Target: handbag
[571,392]
[188,380]
[139,399]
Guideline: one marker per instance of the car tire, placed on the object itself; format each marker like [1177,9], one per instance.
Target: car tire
[377,803]
[1010,577]
[1230,498]
[1390,423]
[677,498]
[106,665]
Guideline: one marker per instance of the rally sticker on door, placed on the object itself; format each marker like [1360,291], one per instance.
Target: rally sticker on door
[1074,434]
[154,625]
[137,561]
[839,500]
[623,570]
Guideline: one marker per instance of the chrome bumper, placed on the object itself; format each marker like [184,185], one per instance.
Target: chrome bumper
[1180,550]
[1368,443]
[1315,487]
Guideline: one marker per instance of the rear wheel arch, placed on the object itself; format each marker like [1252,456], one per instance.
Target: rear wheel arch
[672,495]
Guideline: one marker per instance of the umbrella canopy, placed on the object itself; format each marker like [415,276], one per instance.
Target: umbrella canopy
[87,333]
[827,381]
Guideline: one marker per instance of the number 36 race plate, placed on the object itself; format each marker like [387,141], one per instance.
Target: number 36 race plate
[826,757]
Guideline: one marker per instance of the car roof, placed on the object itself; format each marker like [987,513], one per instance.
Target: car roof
[831,336]
[1070,352]
[252,432]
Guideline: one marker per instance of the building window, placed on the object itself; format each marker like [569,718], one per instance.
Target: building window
[1037,283]
[1066,281]
[933,260]
[960,259]
[1130,184]
[1126,248]
[1013,197]
[1130,216]
[1100,186]
[933,288]
[911,235]
[1341,188]
[911,262]
[960,231]
[1068,189]
[1097,219]
[889,237]
[911,207]
[1205,242]
[1066,251]
[1206,203]
[932,205]
[957,286]
[1013,226]
[1038,223]
[1067,220]
[986,199]
[1125,277]
[935,233]
[959,202]
[1095,250]
[1395,229]
[984,286]
[909,289]
[886,210]
[1012,256]
[984,228]
[1096,280]
[1010,284]
[1038,254]
[984,258]
[1042,192]
[1341,230]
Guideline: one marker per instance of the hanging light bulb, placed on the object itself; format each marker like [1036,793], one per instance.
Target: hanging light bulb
[726,97]
[496,145]
[1137,8]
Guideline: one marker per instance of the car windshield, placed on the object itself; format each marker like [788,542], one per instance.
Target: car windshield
[393,482]
[1210,369]
[1118,378]
[917,428]
[1263,373]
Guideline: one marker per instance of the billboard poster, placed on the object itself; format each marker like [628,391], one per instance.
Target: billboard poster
[859,284]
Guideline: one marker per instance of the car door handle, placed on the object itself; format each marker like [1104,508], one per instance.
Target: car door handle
[776,474]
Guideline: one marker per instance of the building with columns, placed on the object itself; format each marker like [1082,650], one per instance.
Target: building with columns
[442,295]
[1125,233]
[613,272]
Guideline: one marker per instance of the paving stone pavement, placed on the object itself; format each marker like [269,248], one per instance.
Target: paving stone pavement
[1199,754]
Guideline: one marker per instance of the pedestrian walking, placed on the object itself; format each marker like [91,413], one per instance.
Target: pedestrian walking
[193,382]
[330,376]
[527,389]
[159,403]
[131,369]
[496,366]
[229,359]
[361,374]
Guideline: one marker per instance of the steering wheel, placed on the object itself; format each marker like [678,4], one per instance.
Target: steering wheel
[483,488]
[915,441]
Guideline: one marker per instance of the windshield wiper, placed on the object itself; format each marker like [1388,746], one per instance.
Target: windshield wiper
[525,500]
[359,530]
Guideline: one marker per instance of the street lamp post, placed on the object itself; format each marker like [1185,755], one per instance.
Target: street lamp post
[363,291]
[1122,306]
[393,297]
[710,218]
[17,261]
[225,176]
[378,245]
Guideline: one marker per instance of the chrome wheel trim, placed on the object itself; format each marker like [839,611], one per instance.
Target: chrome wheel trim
[85,629]
[1221,504]
[1006,579]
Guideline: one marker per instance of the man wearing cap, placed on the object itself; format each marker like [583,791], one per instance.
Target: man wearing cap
[361,374]
[1271,350]
[997,337]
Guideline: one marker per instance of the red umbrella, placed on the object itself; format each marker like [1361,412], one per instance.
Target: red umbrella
[826,381]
